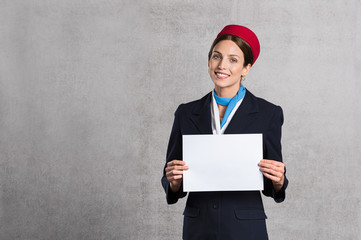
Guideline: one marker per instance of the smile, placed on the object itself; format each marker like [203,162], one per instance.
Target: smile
[221,75]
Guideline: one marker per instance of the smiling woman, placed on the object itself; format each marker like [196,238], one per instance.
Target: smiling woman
[226,68]
[229,109]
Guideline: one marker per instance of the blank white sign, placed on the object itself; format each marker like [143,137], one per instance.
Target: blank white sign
[226,162]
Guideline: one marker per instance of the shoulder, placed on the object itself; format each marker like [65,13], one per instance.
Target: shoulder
[194,106]
[263,104]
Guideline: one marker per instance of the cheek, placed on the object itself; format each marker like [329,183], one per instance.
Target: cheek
[237,70]
[211,66]
[210,69]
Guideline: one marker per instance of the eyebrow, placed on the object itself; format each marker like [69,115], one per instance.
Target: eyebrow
[232,55]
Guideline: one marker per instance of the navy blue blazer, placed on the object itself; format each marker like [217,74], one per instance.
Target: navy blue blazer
[227,215]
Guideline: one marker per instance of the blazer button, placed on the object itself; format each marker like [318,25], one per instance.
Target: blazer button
[215,206]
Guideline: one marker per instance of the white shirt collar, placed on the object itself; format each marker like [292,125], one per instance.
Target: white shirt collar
[216,125]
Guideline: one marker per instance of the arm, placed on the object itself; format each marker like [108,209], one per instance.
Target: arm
[174,152]
[275,180]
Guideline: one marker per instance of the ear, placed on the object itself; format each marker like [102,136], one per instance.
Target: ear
[246,70]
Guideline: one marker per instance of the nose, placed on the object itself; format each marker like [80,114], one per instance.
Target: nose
[222,64]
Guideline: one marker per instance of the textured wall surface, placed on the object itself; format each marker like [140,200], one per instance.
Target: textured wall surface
[87,95]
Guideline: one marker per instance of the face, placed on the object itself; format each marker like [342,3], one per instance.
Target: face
[226,68]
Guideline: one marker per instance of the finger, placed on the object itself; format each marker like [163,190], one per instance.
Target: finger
[176,162]
[168,169]
[174,172]
[271,177]
[175,178]
[270,166]
[273,167]
[267,170]
[271,172]
[273,162]
[177,167]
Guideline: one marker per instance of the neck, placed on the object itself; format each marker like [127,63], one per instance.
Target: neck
[226,92]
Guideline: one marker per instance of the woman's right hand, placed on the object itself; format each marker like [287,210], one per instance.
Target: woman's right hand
[174,173]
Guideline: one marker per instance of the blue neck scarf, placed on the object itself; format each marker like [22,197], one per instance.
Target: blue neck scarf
[229,102]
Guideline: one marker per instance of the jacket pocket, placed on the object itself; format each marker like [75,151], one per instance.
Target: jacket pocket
[191,212]
[250,214]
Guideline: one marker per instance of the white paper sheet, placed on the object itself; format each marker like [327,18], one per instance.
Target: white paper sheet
[226,162]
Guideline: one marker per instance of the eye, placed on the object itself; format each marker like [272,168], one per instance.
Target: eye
[215,57]
[233,60]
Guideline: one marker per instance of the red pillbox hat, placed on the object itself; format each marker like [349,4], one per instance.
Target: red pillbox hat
[246,34]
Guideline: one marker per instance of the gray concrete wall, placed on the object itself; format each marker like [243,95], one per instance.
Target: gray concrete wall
[87,95]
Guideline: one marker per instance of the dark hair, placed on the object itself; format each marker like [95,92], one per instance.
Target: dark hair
[243,45]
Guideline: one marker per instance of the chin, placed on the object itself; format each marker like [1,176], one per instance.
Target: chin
[221,83]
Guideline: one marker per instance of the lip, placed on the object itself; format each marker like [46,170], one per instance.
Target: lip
[221,77]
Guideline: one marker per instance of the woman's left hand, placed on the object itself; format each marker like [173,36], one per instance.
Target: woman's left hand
[273,170]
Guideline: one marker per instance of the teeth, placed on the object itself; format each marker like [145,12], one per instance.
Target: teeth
[222,75]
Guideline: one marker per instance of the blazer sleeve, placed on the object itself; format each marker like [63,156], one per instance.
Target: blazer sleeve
[273,151]
[174,152]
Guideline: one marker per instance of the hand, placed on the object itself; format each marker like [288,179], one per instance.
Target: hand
[174,173]
[273,170]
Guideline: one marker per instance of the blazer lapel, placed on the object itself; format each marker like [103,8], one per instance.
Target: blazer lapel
[201,115]
[244,116]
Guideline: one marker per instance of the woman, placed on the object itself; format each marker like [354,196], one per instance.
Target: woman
[228,109]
